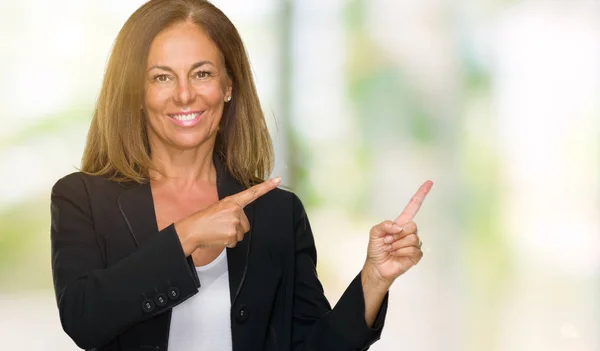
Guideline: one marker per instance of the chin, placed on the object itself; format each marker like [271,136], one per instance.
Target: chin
[189,142]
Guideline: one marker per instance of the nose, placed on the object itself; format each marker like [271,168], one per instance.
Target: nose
[185,93]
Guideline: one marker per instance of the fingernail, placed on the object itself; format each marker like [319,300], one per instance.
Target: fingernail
[388,239]
[388,247]
[277,180]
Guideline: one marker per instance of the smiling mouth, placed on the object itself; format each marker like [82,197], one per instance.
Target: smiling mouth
[185,116]
[189,119]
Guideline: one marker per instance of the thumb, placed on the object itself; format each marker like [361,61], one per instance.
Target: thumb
[384,228]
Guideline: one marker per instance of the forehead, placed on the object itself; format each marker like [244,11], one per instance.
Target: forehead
[181,45]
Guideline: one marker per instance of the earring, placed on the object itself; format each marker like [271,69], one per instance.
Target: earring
[227,99]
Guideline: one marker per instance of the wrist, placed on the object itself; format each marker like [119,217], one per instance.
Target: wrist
[372,280]
[187,240]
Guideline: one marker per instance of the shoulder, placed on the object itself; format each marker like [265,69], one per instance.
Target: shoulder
[284,202]
[279,196]
[79,183]
[69,184]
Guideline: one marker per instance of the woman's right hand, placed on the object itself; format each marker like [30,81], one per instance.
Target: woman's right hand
[221,224]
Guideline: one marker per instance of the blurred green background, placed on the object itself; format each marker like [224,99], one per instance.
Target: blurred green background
[496,101]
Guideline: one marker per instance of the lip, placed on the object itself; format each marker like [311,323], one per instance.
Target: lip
[189,122]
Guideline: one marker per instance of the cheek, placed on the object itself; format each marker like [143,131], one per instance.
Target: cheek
[155,98]
[212,93]
[154,103]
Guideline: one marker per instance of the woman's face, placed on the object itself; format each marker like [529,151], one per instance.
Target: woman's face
[186,88]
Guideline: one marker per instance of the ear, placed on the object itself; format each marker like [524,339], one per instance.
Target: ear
[227,83]
[228,91]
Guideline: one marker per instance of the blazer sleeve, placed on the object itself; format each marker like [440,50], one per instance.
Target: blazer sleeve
[97,303]
[316,326]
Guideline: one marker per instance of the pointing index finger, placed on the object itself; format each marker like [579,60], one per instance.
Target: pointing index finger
[246,197]
[410,211]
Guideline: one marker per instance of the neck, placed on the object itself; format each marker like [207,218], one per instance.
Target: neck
[183,168]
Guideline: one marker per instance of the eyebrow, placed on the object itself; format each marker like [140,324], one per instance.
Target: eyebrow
[195,65]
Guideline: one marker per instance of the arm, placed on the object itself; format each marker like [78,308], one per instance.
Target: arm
[318,327]
[375,293]
[97,303]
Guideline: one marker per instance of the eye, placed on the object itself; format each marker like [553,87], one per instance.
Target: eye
[162,78]
[202,74]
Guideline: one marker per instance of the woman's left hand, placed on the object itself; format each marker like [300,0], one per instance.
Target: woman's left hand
[395,246]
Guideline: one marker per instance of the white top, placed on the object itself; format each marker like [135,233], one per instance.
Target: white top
[203,322]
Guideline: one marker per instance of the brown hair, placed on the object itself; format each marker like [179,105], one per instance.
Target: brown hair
[117,144]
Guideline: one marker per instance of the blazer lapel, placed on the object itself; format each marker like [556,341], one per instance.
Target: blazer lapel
[237,257]
[137,208]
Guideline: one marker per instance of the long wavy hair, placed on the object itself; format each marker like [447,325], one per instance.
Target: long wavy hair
[117,144]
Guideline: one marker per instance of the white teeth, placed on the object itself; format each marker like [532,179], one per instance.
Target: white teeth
[188,117]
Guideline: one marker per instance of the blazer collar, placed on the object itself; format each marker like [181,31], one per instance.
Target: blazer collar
[237,257]
[137,208]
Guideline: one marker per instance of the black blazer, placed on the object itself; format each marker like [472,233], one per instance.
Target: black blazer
[117,277]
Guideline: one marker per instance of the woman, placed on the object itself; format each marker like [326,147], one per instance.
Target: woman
[169,238]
